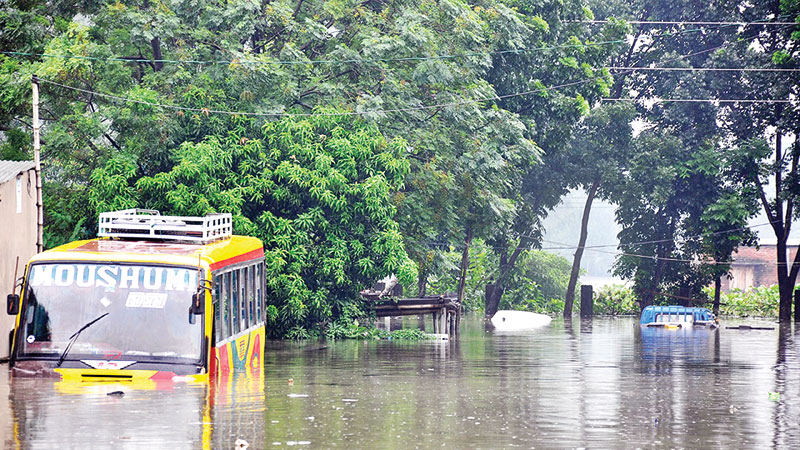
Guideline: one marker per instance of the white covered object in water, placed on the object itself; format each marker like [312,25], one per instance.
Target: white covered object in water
[519,320]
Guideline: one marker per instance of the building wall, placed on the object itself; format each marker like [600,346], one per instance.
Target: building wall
[17,238]
[755,267]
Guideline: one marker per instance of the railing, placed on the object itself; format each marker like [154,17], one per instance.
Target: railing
[151,225]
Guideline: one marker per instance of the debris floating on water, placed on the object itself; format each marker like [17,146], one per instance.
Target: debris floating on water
[116,394]
[241,444]
[748,327]
[775,396]
[349,400]
[297,395]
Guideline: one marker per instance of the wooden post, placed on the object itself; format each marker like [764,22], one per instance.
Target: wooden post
[435,323]
[443,325]
[458,321]
[449,323]
[797,305]
[37,166]
[587,302]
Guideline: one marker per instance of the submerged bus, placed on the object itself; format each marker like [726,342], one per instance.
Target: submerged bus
[154,297]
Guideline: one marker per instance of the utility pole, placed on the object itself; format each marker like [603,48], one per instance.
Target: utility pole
[38,166]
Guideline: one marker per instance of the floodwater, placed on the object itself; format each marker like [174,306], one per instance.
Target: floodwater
[599,384]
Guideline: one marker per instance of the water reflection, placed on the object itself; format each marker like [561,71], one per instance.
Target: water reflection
[605,383]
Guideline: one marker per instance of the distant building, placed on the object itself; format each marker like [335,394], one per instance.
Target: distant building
[755,267]
[17,233]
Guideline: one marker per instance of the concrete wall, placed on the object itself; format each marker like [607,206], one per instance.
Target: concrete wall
[17,238]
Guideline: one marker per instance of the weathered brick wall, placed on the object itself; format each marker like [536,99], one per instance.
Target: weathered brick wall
[755,267]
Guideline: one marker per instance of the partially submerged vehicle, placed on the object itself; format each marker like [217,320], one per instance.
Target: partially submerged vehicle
[155,297]
[677,317]
[519,320]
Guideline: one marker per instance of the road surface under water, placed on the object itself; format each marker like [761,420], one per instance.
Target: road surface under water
[599,384]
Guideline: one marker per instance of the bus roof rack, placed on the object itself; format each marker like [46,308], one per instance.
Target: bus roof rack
[151,225]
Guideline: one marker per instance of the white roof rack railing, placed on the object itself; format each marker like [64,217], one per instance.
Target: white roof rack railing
[150,224]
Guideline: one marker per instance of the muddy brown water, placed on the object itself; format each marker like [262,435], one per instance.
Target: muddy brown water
[599,384]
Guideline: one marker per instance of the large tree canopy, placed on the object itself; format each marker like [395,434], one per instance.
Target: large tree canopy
[317,191]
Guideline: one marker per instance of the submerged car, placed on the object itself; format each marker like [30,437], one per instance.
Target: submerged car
[677,317]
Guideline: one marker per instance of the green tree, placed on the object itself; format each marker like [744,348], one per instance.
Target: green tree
[680,211]
[561,80]
[599,154]
[764,163]
[317,191]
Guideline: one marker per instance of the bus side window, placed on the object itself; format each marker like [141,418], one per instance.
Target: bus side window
[243,298]
[225,305]
[259,292]
[215,301]
[237,326]
[251,294]
[264,289]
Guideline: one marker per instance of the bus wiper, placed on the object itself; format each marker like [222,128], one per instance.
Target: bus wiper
[74,338]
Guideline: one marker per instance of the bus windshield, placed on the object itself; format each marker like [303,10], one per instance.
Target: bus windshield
[146,312]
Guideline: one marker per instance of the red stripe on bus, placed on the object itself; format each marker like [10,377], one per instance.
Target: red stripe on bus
[258,253]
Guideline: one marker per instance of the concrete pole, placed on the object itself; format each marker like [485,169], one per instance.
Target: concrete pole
[38,167]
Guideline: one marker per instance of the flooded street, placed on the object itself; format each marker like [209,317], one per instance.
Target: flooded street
[600,384]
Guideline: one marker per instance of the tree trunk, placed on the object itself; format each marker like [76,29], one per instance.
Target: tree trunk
[569,298]
[663,249]
[462,275]
[785,286]
[155,43]
[717,287]
[422,282]
[781,227]
[506,265]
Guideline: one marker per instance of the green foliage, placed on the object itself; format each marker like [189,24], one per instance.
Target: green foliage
[316,191]
[615,300]
[760,301]
[537,283]
[16,147]
[348,329]
[409,334]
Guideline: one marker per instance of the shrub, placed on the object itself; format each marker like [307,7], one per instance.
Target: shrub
[409,334]
[615,300]
[760,301]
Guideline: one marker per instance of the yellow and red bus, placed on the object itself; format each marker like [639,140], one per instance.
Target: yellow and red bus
[153,298]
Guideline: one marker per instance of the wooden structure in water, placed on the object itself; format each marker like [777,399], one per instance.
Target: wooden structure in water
[445,309]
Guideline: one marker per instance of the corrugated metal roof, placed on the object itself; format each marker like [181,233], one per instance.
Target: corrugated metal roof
[10,169]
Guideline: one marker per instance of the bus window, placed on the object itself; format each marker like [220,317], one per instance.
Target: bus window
[225,305]
[258,271]
[243,298]
[251,295]
[235,316]
[215,301]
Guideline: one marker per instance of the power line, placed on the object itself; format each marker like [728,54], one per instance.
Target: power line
[681,22]
[207,111]
[699,100]
[341,61]
[697,261]
[564,246]
[705,69]
[314,61]
[659,241]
